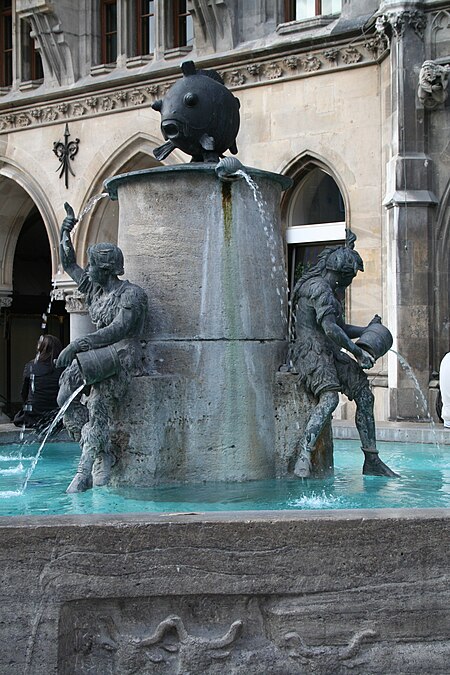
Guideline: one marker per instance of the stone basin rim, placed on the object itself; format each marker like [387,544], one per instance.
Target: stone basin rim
[111,184]
[222,517]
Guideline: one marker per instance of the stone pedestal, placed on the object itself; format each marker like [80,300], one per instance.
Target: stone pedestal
[293,405]
[209,253]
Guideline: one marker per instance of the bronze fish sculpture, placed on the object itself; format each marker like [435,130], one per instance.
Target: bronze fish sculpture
[199,115]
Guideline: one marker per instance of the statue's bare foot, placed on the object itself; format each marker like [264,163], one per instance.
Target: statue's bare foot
[374,466]
[80,483]
[302,467]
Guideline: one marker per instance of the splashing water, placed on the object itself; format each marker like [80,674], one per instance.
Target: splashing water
[89,206]
[420,396]
[271,242]
[49,431]
[315,501]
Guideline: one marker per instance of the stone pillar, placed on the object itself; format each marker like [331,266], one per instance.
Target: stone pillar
[409,203]
[80,322]
[211,259]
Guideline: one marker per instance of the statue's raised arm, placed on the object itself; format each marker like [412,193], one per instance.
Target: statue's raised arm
[66,249]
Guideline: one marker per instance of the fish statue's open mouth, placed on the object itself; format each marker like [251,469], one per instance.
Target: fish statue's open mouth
[171,129]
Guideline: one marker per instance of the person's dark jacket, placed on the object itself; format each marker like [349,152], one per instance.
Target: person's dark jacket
[40,397]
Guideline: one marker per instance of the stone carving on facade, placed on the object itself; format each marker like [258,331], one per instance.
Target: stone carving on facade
[75,301]
[291,62]
[351,55]
[254,69]
[394,24]
[433,84]
[288,66]
[121,96]
[36,113]
[92,102]
[236,78]
[108,103]
[376,46]
[214,22]
[312,63]
[5,301]
[63,108]
[78,110]
[273,71]
[51,114]
[137,97]
[23,120]
[331,55]
[49,38]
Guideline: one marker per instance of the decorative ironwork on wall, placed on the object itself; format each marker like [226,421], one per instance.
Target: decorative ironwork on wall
[65,152]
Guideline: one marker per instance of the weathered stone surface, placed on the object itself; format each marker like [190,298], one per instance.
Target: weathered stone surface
[286,593]
[293,405]
[209,254]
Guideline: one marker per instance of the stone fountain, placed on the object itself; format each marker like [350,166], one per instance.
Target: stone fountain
[203,399]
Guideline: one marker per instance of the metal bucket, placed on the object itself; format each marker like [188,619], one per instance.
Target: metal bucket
[376,339]
[97,365]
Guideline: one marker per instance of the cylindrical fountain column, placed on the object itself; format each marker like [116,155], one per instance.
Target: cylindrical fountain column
[209,253]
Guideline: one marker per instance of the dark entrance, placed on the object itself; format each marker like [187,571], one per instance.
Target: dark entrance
[28,316]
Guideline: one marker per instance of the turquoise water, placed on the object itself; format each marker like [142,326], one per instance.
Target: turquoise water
[424,483]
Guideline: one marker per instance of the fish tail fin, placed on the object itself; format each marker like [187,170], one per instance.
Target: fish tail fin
[163,151]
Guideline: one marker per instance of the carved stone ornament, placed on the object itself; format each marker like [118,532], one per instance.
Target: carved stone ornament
[433,84]
[57,293]
[76,302]
[285,67]
[5,301]
[393,24]
[254,69]
[236,78]
[273,71]
[291,62]
[351,55]
[311,63]
[331,55]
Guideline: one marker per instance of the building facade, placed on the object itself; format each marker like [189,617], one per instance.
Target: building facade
[347,97]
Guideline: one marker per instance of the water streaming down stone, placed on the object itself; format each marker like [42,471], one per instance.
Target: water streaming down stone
[420,396]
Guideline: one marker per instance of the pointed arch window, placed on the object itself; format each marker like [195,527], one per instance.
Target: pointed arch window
[315,217]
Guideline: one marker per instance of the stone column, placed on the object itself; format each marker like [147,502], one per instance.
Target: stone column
[409,202]
[211,259]
[80,322]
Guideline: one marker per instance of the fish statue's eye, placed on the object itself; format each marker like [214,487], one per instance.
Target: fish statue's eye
[190,99]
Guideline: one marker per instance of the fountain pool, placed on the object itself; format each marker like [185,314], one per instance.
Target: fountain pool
[424,483]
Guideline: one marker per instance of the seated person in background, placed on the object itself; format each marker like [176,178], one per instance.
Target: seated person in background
[40,385]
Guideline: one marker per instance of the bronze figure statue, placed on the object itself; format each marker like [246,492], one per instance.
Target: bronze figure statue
[104,360]
[323,368]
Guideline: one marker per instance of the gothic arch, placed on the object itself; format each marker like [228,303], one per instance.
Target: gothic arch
[298,168]
[20,192]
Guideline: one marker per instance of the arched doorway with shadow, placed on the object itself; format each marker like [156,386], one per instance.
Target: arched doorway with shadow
[33,311]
